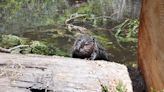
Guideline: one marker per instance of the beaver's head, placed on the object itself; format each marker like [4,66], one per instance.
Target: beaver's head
[84,45]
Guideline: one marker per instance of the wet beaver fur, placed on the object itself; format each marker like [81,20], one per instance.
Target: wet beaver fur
[86,47]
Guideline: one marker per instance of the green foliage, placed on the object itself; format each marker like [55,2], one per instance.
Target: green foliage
[127,31]
[120,87]
[29,13]
[155,90]
[60,52]
[93,10]
[90,8]
[104,40]
[50,49]
[36,47]
[84,9]
[8,41]
[39,47]
[126,34]
[104,88]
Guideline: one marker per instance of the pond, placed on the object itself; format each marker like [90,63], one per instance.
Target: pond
[62,41]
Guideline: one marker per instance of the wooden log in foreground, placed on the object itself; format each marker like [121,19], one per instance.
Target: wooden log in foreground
[151,44]
[34,73]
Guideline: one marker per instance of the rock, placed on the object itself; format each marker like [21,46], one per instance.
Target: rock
[31,73]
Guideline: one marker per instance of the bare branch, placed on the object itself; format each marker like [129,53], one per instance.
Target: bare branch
[74,16]
[70,26]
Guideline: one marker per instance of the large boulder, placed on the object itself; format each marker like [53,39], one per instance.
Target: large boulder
[36,73]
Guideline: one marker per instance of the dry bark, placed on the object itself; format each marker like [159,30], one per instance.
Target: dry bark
[22,73]
[151,46]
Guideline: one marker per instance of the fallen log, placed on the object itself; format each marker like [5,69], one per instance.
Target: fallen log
[4,50]
[151,44]
[36,73]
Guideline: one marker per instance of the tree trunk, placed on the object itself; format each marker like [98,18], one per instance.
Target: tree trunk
[151,43]
[34,73]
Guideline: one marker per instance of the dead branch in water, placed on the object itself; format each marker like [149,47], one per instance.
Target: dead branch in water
[70,26]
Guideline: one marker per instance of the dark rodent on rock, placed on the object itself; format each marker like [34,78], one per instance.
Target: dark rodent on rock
[86,47]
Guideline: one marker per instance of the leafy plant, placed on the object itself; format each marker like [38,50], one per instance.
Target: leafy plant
[104,88]
[127,31]
[120,87]
[126,34]
[8,41]
[155,90]
[39,47]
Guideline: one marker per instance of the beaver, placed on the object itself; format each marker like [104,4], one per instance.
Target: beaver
[86,47]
